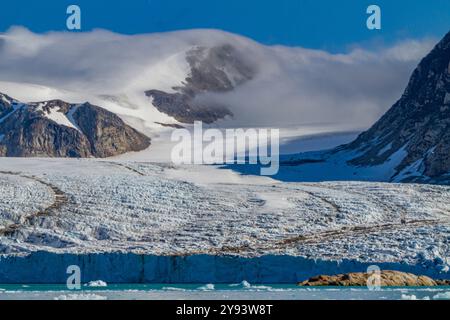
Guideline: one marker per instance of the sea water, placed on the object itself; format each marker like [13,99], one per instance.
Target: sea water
[242,291]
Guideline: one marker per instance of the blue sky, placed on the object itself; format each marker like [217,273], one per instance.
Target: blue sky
[329,25]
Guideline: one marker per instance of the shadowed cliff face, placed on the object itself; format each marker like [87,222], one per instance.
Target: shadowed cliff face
[5,105]
[59,129]
[185,109]
[212,70]
[419,123]
[135,268]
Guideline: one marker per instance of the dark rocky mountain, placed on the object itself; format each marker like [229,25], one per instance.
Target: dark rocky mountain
[185,109]
[212,70]
[60,129]
[418,125]
[107,134]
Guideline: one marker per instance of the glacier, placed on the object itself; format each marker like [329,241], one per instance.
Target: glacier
[50,268]
[124,221]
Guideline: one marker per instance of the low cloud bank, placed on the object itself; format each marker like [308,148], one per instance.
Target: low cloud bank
[293,85]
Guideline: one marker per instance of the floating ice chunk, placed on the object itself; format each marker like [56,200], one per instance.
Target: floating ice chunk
[243,284]
[408,297]
[89,296]
[247,285]
[207,287]
[173,289]
[97,283]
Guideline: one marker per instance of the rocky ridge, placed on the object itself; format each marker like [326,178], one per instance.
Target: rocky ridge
[59,129]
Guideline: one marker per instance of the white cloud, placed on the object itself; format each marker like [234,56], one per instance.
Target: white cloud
[310,86]
[293,86]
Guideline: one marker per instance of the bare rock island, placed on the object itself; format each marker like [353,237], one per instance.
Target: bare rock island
[212,70]
[388,279]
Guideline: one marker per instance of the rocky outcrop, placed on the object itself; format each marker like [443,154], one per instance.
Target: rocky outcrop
[418,124]
[5,105]
[60,129]
[387,279]
[128,267]
[107,134]
[184,109]
[443,283]
[212,70]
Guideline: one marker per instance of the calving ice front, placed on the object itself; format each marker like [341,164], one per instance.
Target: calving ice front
[241,146]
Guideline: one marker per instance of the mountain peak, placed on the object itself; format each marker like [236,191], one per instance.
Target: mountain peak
[216,69]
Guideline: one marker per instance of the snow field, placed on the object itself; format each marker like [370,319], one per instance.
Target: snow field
[149,208]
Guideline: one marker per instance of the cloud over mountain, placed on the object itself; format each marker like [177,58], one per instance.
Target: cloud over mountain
[291,85]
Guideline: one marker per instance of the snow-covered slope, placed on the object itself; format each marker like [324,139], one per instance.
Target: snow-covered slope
[115,214]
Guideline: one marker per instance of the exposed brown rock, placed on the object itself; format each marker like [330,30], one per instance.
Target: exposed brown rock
[27,131]
[443,282]
[107,133]
[387,279]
